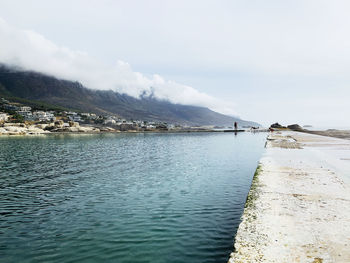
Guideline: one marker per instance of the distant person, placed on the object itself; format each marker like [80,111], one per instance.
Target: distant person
[235,125]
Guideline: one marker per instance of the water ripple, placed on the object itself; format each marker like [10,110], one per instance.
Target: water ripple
[123,197]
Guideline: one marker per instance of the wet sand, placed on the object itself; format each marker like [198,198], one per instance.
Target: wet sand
[298,208]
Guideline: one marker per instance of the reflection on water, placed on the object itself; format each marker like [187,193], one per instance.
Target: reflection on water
[124,197]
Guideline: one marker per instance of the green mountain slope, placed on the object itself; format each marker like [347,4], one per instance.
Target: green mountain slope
[67,94]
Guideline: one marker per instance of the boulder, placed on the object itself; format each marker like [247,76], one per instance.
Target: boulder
[73,124]
[15,130]
[3,131]
[85,129]
[14,124]
[42,126]
[72,129]
[35,130]
[59,123]
[277,126]
[105,129]
[88,129]
[295,127]
[31,127]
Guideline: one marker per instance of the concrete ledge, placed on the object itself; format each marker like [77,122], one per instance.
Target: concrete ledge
[298,207]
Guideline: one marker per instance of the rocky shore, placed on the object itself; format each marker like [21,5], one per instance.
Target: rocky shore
[54,127]
[75,127]
[298,208]
[342,134]
[20,129]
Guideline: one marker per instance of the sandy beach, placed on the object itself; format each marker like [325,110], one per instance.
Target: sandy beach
[298,208]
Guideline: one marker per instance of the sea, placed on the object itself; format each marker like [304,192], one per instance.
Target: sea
[146,197]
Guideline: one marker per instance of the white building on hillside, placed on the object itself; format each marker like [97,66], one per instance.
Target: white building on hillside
[44,116]
[24,108]
[73,116]
[25,111]
[89,116]
[10,107]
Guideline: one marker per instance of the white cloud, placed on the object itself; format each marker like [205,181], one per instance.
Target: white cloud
[259,54]
[32,51]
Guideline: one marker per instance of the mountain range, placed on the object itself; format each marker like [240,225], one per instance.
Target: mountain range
[34,87]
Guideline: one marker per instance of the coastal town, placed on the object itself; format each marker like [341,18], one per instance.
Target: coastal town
[20,119]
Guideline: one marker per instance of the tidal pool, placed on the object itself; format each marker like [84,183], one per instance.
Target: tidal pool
[124,197]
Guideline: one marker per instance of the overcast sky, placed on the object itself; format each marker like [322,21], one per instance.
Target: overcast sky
[267,61]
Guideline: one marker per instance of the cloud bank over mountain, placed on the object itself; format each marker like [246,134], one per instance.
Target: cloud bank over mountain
[32,51]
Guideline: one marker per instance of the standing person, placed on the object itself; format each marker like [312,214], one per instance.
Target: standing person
[235,125]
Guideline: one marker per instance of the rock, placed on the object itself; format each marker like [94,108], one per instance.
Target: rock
[72,129]
[73,124]
[295,127]
[49,128]
[59,124]
[88,129]
[277,126]
[85,129]
[15,130]
[42,126]
[35,130]
[106,129]
[14,124]
[3,131]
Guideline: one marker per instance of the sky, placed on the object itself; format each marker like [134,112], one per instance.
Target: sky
[266,61]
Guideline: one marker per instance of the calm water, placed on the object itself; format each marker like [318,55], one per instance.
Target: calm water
[124,197]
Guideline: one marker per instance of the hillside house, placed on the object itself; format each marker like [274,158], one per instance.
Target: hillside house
[10,107]
[27,115]
[44,116]
[24,108]
[73,116]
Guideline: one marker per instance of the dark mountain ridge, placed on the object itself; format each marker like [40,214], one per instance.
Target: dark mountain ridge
[72,95]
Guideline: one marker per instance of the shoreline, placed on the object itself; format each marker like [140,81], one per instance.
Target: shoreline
[298,207]
[23,133]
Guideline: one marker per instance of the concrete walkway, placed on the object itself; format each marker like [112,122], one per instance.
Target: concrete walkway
[298,208]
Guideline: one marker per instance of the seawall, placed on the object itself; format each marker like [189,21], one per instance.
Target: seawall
[298,207]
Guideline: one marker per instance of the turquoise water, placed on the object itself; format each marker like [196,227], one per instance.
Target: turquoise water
[124,197]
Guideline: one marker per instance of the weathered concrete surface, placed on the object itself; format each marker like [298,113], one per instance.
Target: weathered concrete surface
[298,208]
